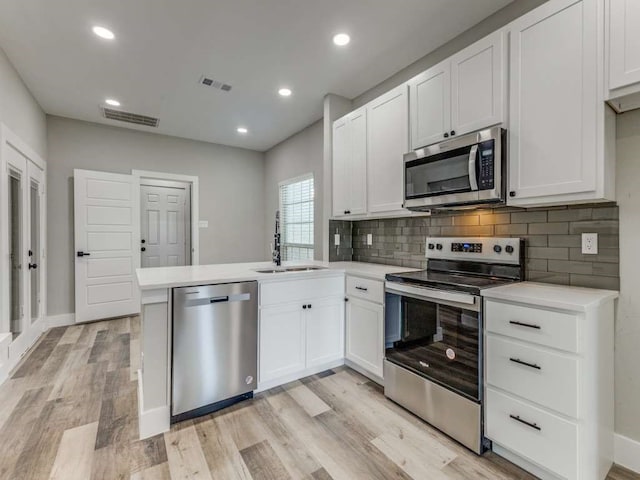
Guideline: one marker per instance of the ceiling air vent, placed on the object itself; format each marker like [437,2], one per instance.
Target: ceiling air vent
[210,82]
[128,117]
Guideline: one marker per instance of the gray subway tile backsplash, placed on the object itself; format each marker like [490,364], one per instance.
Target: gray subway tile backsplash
[552,236]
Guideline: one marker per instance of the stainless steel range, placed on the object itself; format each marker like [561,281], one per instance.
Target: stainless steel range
[433,321]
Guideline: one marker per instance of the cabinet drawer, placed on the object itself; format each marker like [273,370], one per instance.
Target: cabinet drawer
[367,289]
[539,436]
[276,293]
[547,378]
[532,324]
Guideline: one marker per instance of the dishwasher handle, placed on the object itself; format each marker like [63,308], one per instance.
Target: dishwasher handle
[198,302]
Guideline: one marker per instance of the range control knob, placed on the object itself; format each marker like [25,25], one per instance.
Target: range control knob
[497,248]
[509,249]
[431,246]
[439,246]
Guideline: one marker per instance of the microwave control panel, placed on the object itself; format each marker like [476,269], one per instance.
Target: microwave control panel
[486,175]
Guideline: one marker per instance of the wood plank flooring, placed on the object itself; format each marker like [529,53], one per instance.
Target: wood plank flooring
[70,412]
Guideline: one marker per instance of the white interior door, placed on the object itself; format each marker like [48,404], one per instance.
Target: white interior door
[22,243]
[107,244]
[165,225]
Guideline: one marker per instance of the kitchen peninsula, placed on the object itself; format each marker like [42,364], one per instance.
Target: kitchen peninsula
[314,338]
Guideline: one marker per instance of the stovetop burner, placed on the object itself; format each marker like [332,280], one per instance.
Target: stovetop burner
[468,264]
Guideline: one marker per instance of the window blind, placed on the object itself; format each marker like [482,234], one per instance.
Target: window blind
[296,218]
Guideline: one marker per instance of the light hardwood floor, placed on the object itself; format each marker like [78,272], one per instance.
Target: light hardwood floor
[69,412]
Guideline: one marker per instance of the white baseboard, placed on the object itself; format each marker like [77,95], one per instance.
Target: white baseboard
[154,421]
[627,452]
[61,320]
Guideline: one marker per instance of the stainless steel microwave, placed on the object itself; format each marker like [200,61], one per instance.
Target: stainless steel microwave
[468,170]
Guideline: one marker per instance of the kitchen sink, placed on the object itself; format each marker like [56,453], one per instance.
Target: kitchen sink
[302,268]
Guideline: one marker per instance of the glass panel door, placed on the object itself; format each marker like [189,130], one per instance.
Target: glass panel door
[34,249]
[16,293]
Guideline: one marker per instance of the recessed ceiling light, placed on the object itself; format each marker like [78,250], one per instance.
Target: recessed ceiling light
[285,92]
[341,39]
[242,130]
[103,32]
[112,102]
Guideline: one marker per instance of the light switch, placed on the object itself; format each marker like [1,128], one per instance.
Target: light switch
[336,239]
[589,243]
[369,238]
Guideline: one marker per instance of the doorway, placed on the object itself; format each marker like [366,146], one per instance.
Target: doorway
[165,226]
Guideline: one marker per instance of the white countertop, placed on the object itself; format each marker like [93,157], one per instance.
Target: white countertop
[170,277]
[560,297]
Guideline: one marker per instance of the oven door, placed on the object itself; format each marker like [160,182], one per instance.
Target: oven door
[437,335]
[462,171]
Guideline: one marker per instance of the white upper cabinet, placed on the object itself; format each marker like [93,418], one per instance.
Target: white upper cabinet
[478,85]
[387,142]
[558,150]
[461,94]
[350,164]
[623,53]
[430,105]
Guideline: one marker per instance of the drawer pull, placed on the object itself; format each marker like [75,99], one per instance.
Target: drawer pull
[528,424]
[364,289]
[528,325]
[526,364]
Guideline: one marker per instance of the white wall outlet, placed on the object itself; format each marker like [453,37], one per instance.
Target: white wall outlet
[203,224]
[336,239]
[369,238]
[589,243]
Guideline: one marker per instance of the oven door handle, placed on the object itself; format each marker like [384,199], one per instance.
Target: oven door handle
[431,293]
[473,158]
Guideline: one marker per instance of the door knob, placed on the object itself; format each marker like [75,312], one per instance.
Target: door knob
[143,241]
[83,254]
[33,265]
[143,249]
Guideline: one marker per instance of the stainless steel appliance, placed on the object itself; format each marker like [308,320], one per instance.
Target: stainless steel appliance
[433,331]
[215,347]
[467,170]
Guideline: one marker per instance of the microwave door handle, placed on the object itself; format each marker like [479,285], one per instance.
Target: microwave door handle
[473,155]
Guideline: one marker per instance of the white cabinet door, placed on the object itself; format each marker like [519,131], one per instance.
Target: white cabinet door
[325,331]
[350,164]
[624,42]
[553,101]
[387,142]
[365,335]
[107,242]
[358,162]
[478,85]
[430,105]
[282,341]
[341,159]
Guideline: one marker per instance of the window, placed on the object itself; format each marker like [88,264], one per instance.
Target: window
[296,214]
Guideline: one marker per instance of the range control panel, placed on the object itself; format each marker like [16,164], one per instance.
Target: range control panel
[481,249]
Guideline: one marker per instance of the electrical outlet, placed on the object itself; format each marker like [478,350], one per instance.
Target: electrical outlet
[589,243]
[336,239]
[369,238]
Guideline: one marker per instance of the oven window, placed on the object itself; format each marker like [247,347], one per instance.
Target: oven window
[439,342]
[439,174]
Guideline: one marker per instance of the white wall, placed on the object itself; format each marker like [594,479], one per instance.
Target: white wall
[231,191]
[298,155]
[19,110]
[628,315]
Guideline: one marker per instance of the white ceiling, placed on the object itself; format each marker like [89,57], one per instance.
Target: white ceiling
[162,47]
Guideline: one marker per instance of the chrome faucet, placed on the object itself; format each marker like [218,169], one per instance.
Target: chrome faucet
[276,254]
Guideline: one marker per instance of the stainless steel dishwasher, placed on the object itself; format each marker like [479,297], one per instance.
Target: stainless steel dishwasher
[215,347]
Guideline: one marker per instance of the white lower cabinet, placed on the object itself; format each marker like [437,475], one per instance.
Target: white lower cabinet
[365,335]
[364,349]
[549,378]
[303,336]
